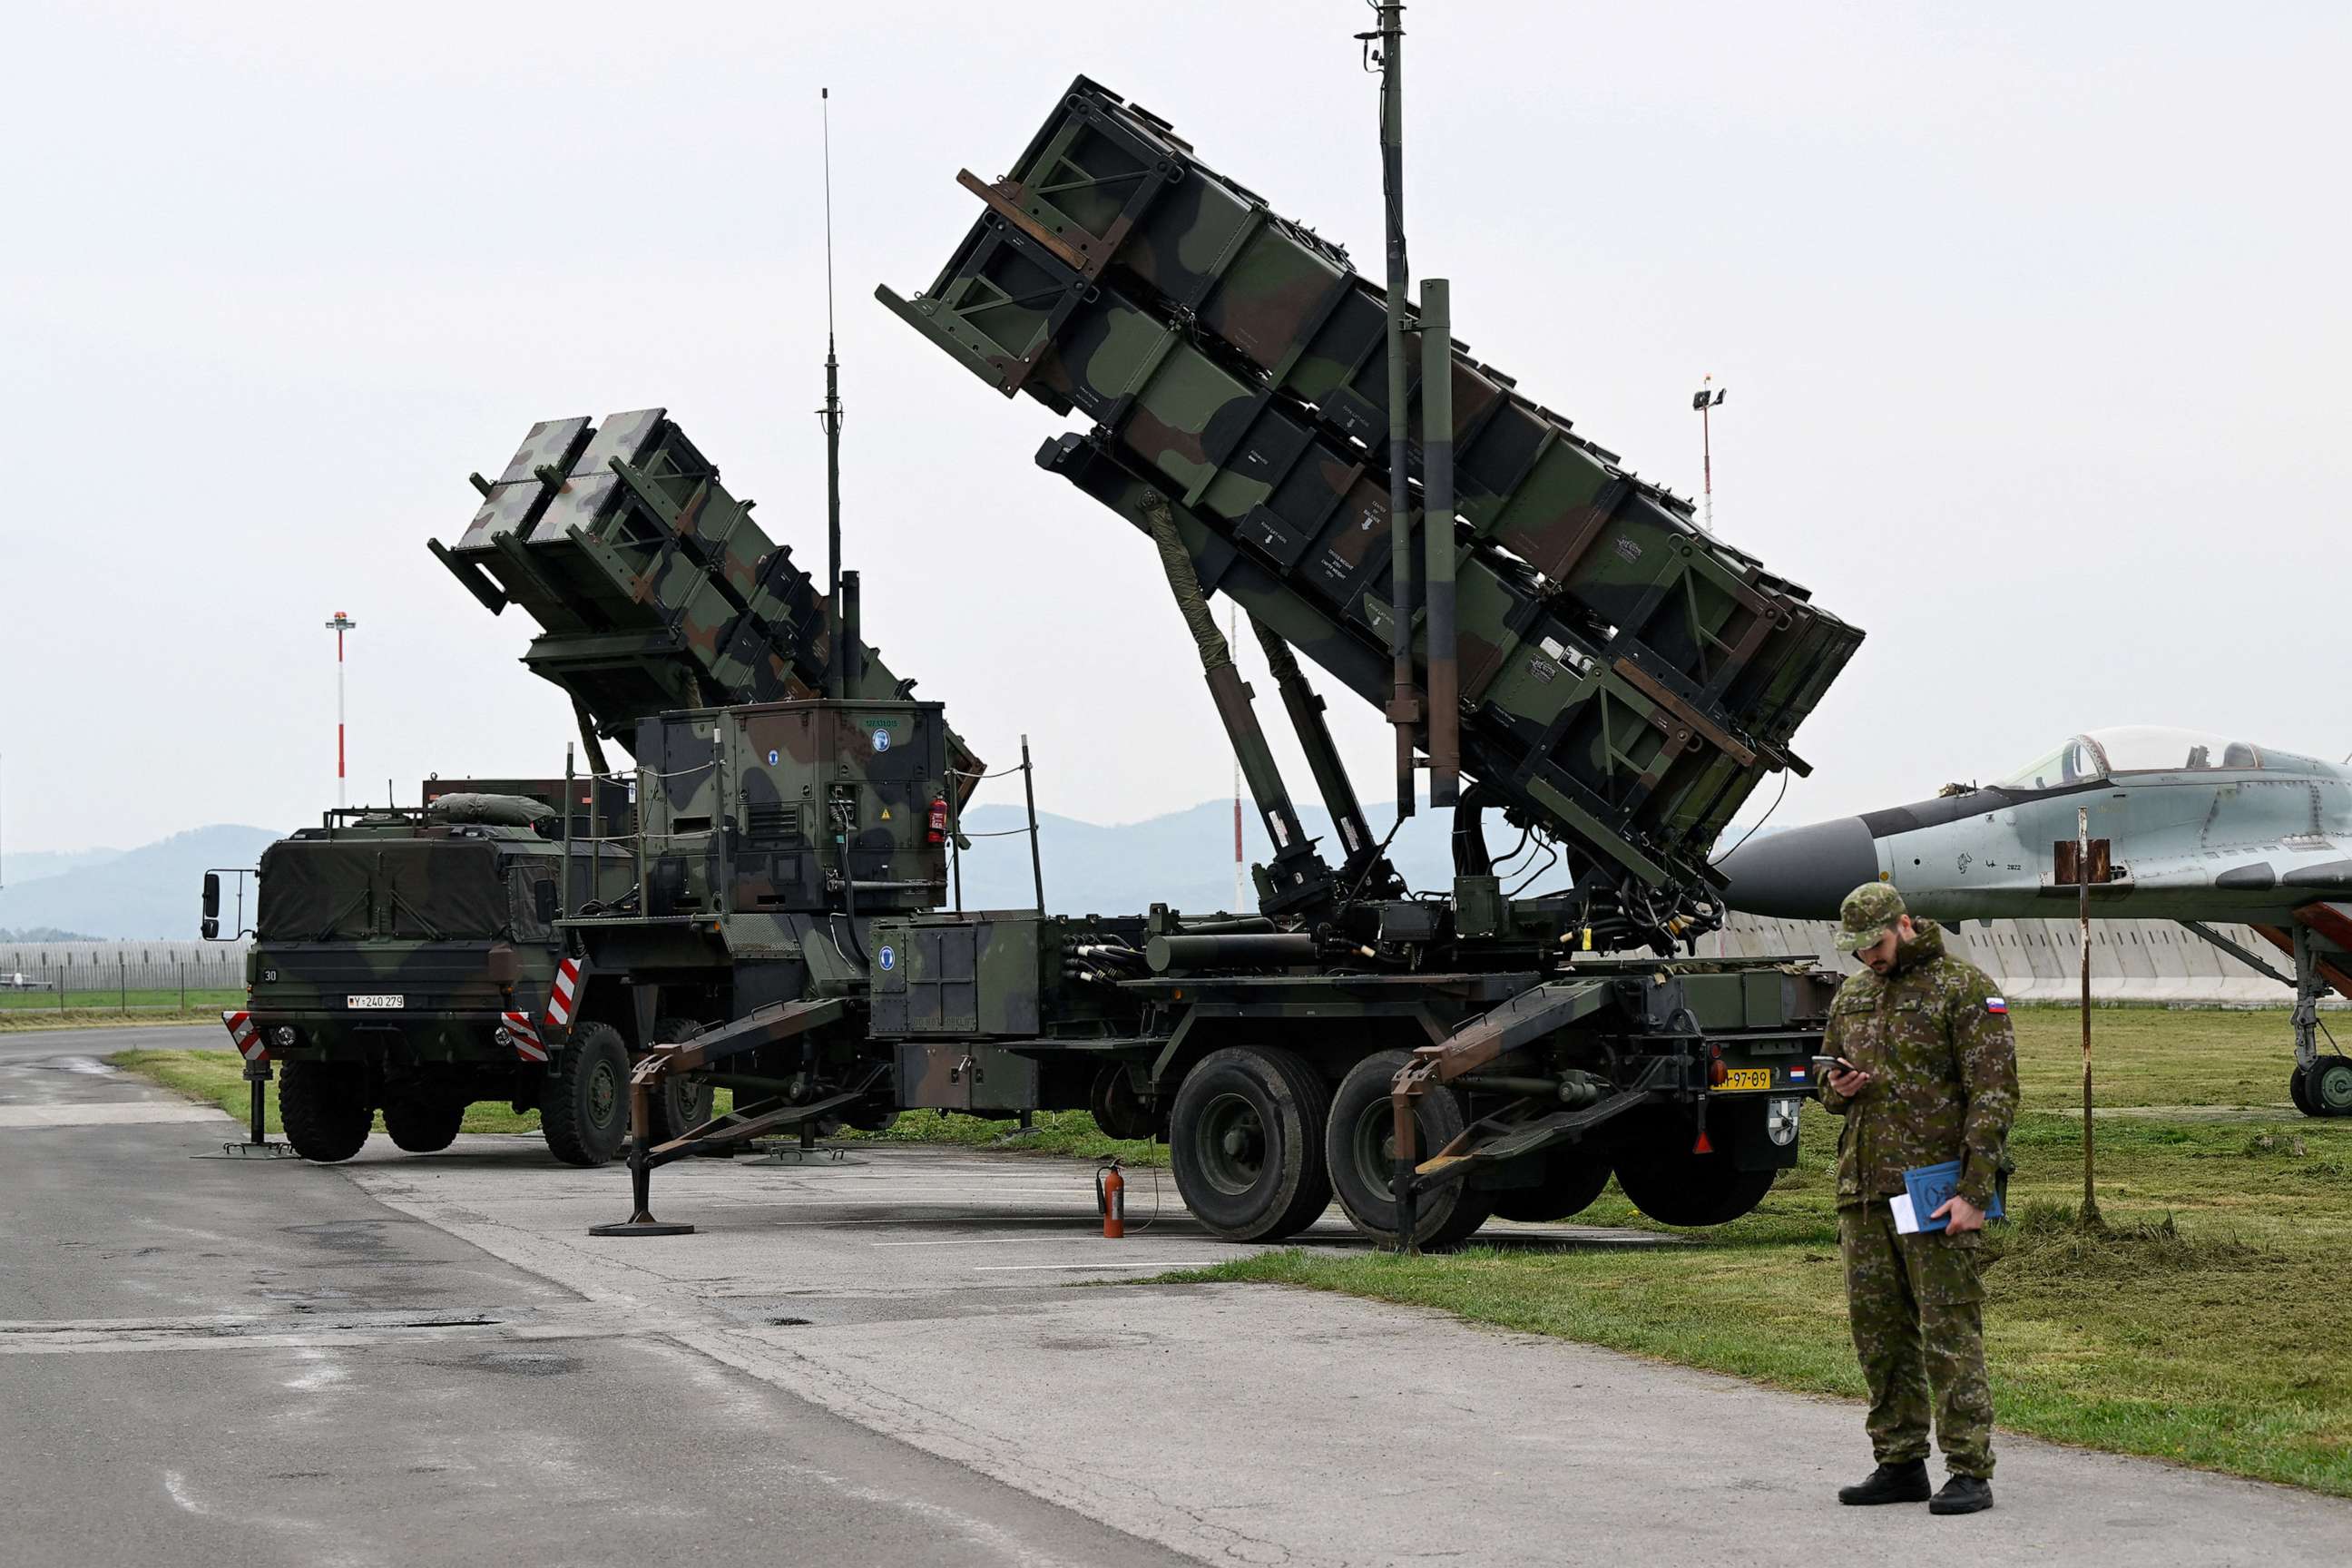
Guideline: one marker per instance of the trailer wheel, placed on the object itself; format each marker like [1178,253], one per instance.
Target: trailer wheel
[1245,1141]
[1573,1177]
[1674,1186]
[680,1107]
[325,1109]
[423,1122]
[1362,1147]
[584,1109]
[1117,1109]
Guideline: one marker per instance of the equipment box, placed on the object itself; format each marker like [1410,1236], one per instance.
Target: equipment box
[952,1076]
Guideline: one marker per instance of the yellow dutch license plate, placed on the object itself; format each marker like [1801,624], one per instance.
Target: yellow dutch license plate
[1746,1077]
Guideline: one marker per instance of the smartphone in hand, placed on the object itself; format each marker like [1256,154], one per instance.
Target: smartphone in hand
[1824,1066]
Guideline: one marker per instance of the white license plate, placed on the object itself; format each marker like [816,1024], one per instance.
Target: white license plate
[375,1002]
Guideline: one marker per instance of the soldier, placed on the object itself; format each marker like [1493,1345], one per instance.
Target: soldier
[1929,1074]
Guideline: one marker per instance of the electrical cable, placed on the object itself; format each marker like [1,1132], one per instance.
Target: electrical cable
[1760,821]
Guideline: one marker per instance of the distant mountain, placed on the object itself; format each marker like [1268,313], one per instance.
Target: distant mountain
[1184,858]
[32,865]
[45,933]
[146,892]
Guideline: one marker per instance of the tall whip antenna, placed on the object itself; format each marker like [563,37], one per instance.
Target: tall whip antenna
[838,672]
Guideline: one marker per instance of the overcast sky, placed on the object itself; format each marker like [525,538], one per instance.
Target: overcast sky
[2032,320]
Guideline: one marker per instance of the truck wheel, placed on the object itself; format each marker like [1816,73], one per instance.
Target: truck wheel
[423,1122]
[1572,1178]
[2330,1087]
[680,1107]
[1362,1147]
[325,1109]
[1675,1186]
[584,1109]
[1245,1141]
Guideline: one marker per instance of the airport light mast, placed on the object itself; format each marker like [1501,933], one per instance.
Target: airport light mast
[339,626]
[1701,401]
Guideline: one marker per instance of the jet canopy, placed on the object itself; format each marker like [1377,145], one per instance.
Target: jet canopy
[2132,749]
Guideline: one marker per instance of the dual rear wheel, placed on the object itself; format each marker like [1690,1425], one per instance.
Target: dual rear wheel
[1260,1146]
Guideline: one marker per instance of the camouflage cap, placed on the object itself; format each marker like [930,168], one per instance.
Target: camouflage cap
[1868,913]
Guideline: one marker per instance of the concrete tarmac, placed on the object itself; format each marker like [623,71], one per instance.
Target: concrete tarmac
[208,1360]
[847,1355]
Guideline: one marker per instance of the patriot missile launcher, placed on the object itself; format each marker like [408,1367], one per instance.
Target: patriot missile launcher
[1622,680]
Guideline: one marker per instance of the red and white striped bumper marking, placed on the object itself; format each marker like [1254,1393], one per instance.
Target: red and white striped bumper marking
[559,999]
[247,1035]
[527,1043]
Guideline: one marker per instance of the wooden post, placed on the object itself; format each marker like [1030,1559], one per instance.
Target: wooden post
[2090,1216]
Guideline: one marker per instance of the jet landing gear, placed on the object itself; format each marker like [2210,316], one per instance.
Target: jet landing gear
[2322,1085]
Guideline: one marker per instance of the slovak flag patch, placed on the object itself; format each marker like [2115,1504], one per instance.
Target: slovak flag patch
[1995,1005]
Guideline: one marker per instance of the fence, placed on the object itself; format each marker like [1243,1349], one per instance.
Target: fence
[125,975]
[2154,962]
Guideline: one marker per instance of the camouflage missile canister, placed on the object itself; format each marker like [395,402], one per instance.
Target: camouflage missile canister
[655,588]
[1623,674]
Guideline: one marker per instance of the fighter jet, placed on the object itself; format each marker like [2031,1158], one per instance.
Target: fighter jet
[2184,826]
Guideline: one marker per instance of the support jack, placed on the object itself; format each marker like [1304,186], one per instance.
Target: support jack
[257,1144]
[641,1221]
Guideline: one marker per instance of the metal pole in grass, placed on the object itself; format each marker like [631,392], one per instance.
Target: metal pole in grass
[2083,920]
[122,982]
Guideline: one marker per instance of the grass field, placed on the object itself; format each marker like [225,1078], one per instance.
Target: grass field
[2202,1328]
[40,1009]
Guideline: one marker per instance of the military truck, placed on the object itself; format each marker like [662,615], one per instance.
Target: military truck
[1612,679]
[404,960]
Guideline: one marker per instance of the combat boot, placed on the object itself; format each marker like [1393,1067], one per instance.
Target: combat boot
[1905,1482]
[1962,1494]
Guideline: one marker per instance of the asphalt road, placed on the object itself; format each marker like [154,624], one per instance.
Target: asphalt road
[879,1360]
[213,1361]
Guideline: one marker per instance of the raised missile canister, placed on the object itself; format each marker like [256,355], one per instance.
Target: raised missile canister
[654,587]
[1623,674]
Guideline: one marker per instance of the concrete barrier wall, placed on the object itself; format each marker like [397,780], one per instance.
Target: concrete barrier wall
[2156,963]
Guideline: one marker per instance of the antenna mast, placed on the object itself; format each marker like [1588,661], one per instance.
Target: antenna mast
[838,664]
[1385,47]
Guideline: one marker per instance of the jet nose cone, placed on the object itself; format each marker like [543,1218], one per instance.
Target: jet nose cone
[1802,874]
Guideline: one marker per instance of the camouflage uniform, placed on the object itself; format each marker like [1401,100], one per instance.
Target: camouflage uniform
[1937,1039]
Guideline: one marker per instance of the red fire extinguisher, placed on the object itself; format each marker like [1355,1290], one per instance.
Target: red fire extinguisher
[1111,1196]
[938,833]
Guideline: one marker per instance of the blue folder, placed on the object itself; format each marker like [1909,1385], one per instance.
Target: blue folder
[1931,1186]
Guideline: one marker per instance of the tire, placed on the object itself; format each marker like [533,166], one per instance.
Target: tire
[325,1109]
[680,1107]
[423,1123]
[1361,1146]
[1671,1186]
[1573,1177]
[1245,1143]
[584,1109]
[1117,1109]
[2298,1088]
[2329,1085]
